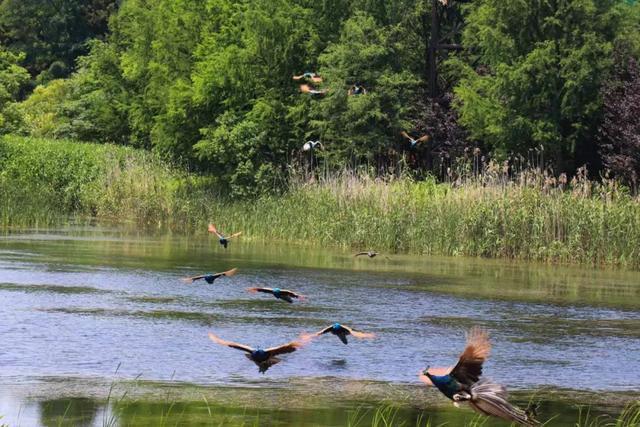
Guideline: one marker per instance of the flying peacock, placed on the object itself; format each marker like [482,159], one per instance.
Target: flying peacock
[462,383]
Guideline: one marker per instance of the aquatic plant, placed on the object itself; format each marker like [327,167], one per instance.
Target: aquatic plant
[485,210]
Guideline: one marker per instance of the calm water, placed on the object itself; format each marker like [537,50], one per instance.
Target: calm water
[87,310]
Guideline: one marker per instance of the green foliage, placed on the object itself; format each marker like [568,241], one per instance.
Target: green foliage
[245,83]
[89,106]
[210,84]
[12,80]
[207,84]
[540,68]
[41,178]
[363,125]
[596,224]
[52,33]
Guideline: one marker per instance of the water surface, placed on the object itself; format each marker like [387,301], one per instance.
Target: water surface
[84,308]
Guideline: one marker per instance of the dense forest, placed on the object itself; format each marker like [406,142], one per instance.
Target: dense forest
[209,84]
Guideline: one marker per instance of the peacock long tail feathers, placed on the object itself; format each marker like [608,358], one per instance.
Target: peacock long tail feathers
[491,399]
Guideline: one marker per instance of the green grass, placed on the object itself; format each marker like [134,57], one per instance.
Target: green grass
[531,217]
[629,417]
[125,411]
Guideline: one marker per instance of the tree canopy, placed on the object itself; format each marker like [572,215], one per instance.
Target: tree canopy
[209,83]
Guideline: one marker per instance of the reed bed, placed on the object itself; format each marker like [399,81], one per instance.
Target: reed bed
[492,212]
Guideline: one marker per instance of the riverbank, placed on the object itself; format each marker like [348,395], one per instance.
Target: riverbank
[531,217]
[131,403]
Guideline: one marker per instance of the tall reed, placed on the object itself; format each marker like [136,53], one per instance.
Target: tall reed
[486,211]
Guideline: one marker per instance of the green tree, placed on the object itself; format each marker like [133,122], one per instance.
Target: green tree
[242,80]
[52,33]
[13,78]
[91,105]
[364,126]
[534,70]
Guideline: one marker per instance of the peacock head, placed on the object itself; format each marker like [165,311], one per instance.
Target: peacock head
[276,291]
[336,326]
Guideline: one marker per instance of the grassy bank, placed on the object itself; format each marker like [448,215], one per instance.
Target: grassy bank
[128,412]
[531,217]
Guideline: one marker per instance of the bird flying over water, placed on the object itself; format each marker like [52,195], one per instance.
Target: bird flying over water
[370,254]
[283,294]
[309,75]
[210,278]
[341,331]
[224,240]
[414,142]
[462,383]
[264,359]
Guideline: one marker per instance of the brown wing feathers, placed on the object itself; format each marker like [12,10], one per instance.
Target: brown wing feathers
[283,349]
[231,344]
[469,367]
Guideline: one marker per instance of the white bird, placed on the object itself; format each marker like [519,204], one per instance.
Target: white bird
[311,145]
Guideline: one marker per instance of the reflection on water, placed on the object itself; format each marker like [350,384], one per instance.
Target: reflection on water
[78,412]
[266,407]
[79,302]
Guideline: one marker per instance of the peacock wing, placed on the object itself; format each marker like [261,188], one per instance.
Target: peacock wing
[229,273]
[192,279]
[212,229]
[231,344]
[263,290]
[424,138]
[284,349]
[359,334]
[289,293]
[325,330]
[469,367]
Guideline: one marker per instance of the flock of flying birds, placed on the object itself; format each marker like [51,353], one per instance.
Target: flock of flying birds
[357,89]
[461,383]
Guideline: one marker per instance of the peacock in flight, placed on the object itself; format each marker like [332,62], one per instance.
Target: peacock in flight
[264,359]
[224,240]
[370,254]
[415,141]
[462,383]
[341,331]
[210,278]
[283,294]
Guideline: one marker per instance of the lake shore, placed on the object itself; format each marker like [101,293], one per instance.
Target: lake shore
[328,401]
[528,218]
[127,343]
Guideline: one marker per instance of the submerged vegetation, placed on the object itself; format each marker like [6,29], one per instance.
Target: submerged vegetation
[487,212]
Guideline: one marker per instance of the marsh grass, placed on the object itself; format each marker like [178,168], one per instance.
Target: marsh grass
[629,417]
[124,411]
[486,210]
